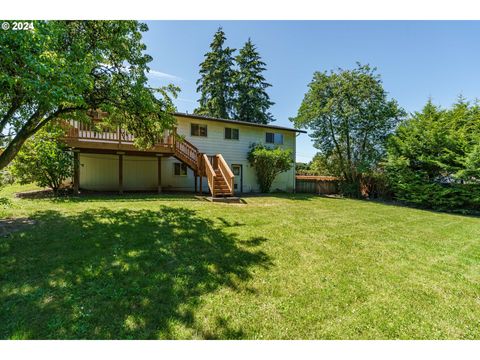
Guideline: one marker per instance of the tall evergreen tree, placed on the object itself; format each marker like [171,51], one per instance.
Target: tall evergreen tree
[215,83]
[251,99]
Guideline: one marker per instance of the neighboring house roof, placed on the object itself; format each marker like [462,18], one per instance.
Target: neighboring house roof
[231,121]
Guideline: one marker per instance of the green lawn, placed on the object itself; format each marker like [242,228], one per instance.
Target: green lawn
[278,267]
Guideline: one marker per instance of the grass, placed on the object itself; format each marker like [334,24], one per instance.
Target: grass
[278,267]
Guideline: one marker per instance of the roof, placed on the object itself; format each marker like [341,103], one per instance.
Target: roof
[231,121]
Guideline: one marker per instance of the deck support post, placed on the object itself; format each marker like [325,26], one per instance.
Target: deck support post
[120,173]
[201,187]
[76,171]
[195,177]
[159,173]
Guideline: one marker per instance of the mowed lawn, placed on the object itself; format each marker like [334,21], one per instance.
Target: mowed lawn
[278,267]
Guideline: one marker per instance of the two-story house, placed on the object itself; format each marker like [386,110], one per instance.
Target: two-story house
[212,157]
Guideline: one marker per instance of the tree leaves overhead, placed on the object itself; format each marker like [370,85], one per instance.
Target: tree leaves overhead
[61,69]
[350,116]
[216,76]
[251,99]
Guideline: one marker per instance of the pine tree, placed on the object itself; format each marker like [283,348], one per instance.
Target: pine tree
[251,99]
[215,83]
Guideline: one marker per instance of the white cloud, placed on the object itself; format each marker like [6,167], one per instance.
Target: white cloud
[186,100]
[162,75]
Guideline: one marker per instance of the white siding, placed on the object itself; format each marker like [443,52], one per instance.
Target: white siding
[98,172]
[139,173]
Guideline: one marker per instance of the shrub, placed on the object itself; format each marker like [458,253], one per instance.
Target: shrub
[44,160]
[6,177]
[432,159]
[268,163]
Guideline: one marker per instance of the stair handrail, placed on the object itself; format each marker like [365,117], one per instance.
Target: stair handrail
[226,172]
[210,174]
[187,150]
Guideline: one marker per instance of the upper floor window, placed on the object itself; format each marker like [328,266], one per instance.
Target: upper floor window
[198,130]
[274,138]
[231,134]
[180,169]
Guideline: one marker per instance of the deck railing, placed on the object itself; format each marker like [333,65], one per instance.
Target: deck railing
[87,132]
[187,150]
[226,172]
[210,174]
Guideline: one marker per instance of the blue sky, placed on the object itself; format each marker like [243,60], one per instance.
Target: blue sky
[417,60]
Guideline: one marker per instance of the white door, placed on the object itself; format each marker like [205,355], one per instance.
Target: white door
[237,181]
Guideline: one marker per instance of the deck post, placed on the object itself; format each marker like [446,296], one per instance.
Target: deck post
[76,171]
[195,176]
[201,188]
[120,173]
[159,173]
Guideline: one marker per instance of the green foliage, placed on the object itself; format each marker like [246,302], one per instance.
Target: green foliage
[62,69]
[268,163]
[216,76]
[433,158]
[351,117]
[251,101]
[6,176]
[44,160]
[229,92]
[325,165]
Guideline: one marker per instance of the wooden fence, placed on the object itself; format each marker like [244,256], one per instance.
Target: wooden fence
[325,185]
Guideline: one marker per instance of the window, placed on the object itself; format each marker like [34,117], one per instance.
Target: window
[198,130]
[180,169]
[274,138]
[231,134]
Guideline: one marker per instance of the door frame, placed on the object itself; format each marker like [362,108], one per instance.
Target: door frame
[241,176]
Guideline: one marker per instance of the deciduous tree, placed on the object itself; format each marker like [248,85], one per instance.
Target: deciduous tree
[44,160]
[351,117]
[62,69]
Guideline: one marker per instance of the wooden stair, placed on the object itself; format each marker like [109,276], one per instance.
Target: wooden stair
[220,185]
[219,175]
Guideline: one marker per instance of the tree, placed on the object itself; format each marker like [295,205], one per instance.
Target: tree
[44,160]
[323,165]
[62,69]
[351,117]
[433,158]
[251,99]
[268,163]
[216,76]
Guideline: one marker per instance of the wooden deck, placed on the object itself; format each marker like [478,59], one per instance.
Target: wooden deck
[86,138]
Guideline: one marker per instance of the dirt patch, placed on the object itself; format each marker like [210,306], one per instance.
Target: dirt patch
[8,226]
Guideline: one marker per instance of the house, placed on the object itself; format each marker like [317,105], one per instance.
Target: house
[209,156]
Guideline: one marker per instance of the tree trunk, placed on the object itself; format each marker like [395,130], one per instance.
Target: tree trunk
[35,123]
[13,148]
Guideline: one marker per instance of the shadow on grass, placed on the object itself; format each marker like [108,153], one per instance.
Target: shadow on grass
[66,196]
[107,274]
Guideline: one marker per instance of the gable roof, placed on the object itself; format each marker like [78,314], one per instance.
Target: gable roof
[239,122]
